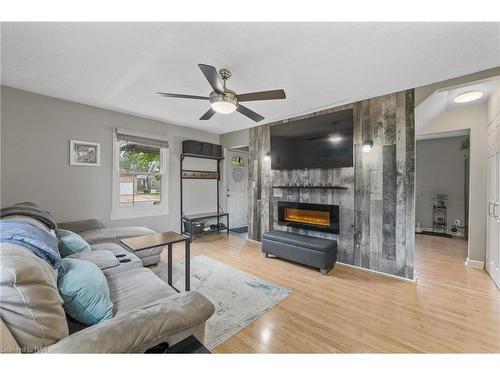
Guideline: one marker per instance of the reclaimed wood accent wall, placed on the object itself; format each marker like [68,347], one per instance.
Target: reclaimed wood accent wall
[377,211]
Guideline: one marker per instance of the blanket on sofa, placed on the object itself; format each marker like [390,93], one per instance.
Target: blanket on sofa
[40,242]
[31,210]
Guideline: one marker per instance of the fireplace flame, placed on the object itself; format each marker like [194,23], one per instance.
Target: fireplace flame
[308,216]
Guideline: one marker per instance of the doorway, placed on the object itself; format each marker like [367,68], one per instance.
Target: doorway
[236,189]
[442,188]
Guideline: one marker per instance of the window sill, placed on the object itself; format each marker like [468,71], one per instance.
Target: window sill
[134,213]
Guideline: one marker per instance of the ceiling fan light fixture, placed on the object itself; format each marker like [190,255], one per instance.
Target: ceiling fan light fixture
[223,107]
[223,103]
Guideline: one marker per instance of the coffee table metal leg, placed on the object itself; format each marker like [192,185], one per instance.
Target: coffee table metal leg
[170,264]
[188,264]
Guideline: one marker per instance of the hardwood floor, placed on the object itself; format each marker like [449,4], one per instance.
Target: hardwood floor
[450,309]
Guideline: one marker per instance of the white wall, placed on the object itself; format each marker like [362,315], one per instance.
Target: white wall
[494,104]
[473,117]
[235,139]
[36,130]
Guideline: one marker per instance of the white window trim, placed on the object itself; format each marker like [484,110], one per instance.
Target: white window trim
[121,213]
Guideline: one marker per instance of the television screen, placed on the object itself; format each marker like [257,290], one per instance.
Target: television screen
[318,142]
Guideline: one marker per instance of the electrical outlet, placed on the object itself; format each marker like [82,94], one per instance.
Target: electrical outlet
[457,222]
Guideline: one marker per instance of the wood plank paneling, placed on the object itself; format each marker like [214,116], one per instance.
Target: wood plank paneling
[410,182]
[377,209]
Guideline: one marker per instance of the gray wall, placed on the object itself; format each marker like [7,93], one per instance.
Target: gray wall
[36,130]
[440,169]
[377,213]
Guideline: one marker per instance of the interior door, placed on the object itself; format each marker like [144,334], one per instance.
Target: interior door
[237,180]
[493,218]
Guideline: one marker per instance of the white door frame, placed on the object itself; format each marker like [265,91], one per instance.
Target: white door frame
[227,176]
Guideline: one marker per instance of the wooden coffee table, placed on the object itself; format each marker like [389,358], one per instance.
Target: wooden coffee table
[163,239]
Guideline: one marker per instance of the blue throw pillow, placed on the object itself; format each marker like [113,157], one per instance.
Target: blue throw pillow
[85,292]
[70,243]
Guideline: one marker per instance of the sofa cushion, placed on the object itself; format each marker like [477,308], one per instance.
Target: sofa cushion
[85,292]
[136,289]
[126,259]
[71,243]
[115,248]
[30,304]
[81,225]
[113,234]
[103,259]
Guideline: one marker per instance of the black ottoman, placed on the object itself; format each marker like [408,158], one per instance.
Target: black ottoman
[312,251]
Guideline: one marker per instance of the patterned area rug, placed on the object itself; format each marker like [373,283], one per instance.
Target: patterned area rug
[238,297]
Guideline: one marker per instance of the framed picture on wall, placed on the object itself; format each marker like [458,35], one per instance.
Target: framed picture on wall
[84,153]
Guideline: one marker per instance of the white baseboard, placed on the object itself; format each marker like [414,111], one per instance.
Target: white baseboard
[474,263]
[381,273]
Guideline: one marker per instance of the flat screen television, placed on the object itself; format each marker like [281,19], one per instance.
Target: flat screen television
[318,142]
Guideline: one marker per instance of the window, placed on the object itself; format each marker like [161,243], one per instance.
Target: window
[139,175]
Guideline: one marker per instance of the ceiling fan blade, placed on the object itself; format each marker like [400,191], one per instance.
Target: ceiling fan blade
[169,95]
[249,113]
[262,95]
[208,114]
[212,77]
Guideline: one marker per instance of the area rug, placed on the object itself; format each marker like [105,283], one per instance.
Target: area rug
[239,298]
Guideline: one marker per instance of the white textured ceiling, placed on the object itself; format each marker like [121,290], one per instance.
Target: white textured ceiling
[120,66]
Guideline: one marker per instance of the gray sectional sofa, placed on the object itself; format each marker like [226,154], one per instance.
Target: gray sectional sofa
[146,310]
[94,232]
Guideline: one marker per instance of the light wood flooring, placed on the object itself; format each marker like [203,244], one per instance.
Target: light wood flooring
[450,309]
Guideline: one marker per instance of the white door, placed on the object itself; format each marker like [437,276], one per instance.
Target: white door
[493,218]
[236,188]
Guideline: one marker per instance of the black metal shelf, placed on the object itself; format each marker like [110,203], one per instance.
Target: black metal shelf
[204,233]
[198,156]
[319,187]
[206,215]
[200,178]
[192,217]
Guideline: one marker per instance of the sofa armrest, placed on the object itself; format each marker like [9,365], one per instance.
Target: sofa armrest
[137,331]
[81,225]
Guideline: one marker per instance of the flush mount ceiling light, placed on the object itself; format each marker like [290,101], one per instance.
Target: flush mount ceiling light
[367,146]
[336,138]
[468,96]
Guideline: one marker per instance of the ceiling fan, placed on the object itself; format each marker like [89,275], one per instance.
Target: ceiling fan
[225,101]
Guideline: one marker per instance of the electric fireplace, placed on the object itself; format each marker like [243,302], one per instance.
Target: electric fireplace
[319,217]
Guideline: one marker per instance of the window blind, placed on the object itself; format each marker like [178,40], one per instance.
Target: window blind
[143,141]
